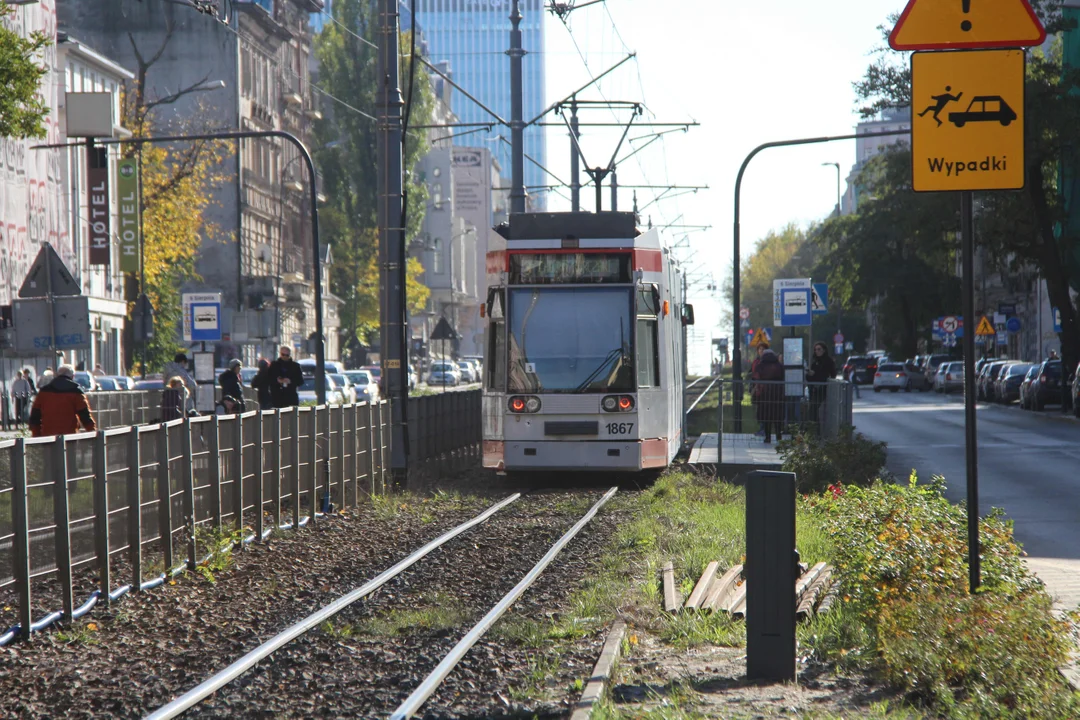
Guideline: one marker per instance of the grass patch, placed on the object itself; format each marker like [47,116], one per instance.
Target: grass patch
[436,612]
[391,506]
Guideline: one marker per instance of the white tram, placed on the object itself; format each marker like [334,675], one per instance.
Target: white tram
[584,363]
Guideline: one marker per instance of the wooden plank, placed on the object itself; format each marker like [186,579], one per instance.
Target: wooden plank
[601,674]
[694,601]
[806,579]
[671,597]
[830,597]
[806,604]
[736,604]
[721,589]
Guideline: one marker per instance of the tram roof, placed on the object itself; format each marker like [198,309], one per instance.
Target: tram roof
[584,226]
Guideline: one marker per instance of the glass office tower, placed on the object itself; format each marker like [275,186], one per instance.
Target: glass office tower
[473,35]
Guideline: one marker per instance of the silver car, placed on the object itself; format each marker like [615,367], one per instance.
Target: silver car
[891,376]
[949,377]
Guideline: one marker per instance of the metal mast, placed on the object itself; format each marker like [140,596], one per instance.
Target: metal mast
[517,121]
[391,234]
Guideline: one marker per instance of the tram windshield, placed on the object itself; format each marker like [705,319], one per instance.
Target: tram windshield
[570,340]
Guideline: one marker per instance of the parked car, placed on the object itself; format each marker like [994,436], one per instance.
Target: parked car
[1025,386]
[150,384]
[306,392]
[1076,392]
[1046,386]
[123,382]
[933,362]
[891,376]
[860,369]
[950,376]
[367,390]
[986,390]
[345,388]
[916,379]
[106,384]
[376,372]
[86,380]
[1009,382]
[468,375]
[307,365]
[247,374]
[443,372]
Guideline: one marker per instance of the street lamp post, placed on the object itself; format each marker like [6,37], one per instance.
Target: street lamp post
[839,309]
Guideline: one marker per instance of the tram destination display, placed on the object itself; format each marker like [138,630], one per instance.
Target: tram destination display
[569,268]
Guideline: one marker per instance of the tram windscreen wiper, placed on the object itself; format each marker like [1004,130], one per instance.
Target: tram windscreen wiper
[617,353]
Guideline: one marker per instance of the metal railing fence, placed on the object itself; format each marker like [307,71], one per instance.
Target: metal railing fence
[823,408]
[143,501]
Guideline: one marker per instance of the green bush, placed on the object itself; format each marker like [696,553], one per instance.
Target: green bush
[900,552]
[850,458]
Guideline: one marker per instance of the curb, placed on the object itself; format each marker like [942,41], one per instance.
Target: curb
[601,674]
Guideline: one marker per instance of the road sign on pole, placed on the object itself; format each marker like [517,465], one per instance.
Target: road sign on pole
[67,316]
[967,132]
[1057,320]
[791,302]
[937,25]
[838,338]
[949,324]
[819,298]
[744,313]
[985,327]
[759,338]
[1013,325]
[48,276]
[202,317]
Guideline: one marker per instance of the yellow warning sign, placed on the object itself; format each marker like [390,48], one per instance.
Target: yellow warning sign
[967,127]
[760,338]
[985,327]
[970,24]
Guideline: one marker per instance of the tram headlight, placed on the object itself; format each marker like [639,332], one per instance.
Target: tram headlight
[524,404]
[617,403]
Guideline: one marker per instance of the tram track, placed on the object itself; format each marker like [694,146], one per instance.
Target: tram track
[368,674]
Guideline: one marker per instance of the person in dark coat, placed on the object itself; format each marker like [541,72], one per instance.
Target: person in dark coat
[61,407]
[822,369]
[261,383]
[286,377]
[232,385]
[768,392]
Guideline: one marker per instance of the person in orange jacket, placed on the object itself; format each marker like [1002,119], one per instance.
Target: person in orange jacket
[61,407]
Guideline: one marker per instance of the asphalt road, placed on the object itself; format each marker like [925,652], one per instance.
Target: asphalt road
[1029,463]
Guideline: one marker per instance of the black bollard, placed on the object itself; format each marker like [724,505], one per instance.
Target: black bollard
[771,572]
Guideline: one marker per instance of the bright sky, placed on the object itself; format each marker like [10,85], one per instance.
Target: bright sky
[750,72]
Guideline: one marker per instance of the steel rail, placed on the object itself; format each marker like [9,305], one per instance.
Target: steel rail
[702,395]
[420,695]
[248,661]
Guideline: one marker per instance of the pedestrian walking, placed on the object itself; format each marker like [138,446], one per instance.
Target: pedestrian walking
[768,391]
[29,375]
[179,368]
[99,371]
[232,384]
[61,407]
[822,369]
[20,391]
[286,377]
[261,384]
[173,399]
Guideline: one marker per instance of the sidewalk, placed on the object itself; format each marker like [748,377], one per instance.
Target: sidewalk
[1062,578]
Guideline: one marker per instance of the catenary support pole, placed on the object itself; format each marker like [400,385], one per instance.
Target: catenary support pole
[391,234]
[736,355]
[970,438]
[575,169]
[517,122]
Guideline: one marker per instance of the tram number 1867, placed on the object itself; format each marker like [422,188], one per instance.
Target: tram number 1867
[620,428]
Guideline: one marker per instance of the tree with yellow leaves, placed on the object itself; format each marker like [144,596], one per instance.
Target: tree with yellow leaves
[176,184]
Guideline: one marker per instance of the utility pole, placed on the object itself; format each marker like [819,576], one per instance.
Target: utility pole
[517,121]
[575,175]
[392,236]
[614,192]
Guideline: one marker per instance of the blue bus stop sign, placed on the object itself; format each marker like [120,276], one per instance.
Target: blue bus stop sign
[1013,325]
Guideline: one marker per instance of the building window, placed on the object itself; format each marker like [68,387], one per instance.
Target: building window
[436,259]
[436,196]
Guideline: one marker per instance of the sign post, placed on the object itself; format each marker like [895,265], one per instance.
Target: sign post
[967,133]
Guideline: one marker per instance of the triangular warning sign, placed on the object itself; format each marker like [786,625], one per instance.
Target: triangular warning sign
[443,331]
[943,25]
[760,338]
[48,275]
[985,327]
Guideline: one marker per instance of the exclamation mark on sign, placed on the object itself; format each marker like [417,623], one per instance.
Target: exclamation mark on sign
[966,25]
